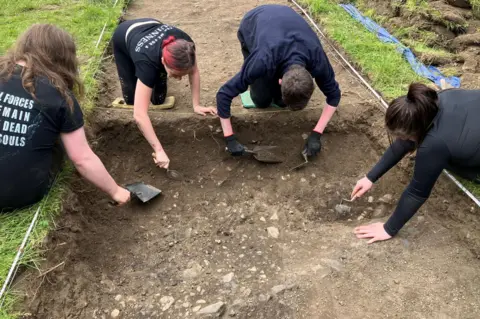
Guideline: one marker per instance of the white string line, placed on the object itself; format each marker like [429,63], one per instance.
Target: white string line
[382,101]
[13,269]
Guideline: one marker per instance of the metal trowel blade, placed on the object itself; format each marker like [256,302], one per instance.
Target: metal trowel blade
[143,191]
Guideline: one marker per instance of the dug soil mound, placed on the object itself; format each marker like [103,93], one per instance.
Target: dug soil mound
[441,33]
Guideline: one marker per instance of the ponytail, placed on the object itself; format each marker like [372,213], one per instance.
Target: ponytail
[411,116]
[178,54]
[167,41]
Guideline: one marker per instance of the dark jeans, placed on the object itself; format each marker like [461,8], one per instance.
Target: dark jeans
[263,91]
[126,69]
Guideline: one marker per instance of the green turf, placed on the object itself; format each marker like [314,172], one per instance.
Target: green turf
[389,73]
[85,20]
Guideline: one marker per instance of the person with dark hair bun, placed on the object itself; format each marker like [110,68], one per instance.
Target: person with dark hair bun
[146,53]
[282,57]
[444,130]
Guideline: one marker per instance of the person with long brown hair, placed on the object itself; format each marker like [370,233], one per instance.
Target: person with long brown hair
[146,52]
[444,130]
[40,118]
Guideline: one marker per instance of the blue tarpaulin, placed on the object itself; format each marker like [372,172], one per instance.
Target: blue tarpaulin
[430,72]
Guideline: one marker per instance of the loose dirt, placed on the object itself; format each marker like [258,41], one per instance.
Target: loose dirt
[254,240]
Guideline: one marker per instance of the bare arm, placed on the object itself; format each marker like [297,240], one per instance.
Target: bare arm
[140,113]
[87,162]
[194,78]
[326,116]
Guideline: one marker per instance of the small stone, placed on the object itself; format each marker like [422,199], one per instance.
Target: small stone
[196,309]
[115,313]
[396,281]
[274,216]
[253,269]
[264,298]
[243,217]
[303,180]
[118,297]
[166,302]
[273,232]
[360,217]
[232,313]
[218,241]
[386,199]
[216,309]
[334,264]
[370,199]
[201,301]
[193,271]
[228,278]
[278,289]
[247,292]
[263,219]
[342,209]
[379,211]
[304,136]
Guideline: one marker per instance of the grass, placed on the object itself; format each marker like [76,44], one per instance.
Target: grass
[85,20]
[388,72]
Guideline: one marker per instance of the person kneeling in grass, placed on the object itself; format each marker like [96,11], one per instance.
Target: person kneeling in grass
[146,52]
[281,55]
[444,130]
[39,113]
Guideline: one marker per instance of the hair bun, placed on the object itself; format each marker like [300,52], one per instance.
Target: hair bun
[168,41]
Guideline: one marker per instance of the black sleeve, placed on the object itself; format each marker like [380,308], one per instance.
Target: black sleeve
[146,72]
[390,158]
[430,161]
[252,69]
[70,119]
[325,79]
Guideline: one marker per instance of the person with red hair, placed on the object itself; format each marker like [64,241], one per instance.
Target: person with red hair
[146,52]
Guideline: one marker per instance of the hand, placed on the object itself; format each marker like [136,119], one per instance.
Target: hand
[374,231]
[204,110]
[233,146]
[313,144]
[361,188]
[121,196]
[161,159]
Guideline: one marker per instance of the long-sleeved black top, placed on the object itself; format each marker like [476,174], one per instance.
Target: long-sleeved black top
[276,38]
[453,141]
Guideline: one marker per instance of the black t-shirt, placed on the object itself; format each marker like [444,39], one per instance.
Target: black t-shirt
[29,131]
[452,142]
[144,45]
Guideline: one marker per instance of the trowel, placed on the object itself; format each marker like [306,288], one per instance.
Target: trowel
[305,161]
[142,191]
[264,154]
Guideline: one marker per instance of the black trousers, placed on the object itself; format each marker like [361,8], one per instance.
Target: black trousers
[263,91]
[126,68]
[10,202]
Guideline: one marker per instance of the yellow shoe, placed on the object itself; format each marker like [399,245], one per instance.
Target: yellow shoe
[168,104]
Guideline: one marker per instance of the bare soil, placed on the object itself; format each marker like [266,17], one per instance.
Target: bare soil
[209,238]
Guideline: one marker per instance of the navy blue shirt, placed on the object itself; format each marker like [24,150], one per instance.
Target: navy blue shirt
[276,38]
[453,142]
